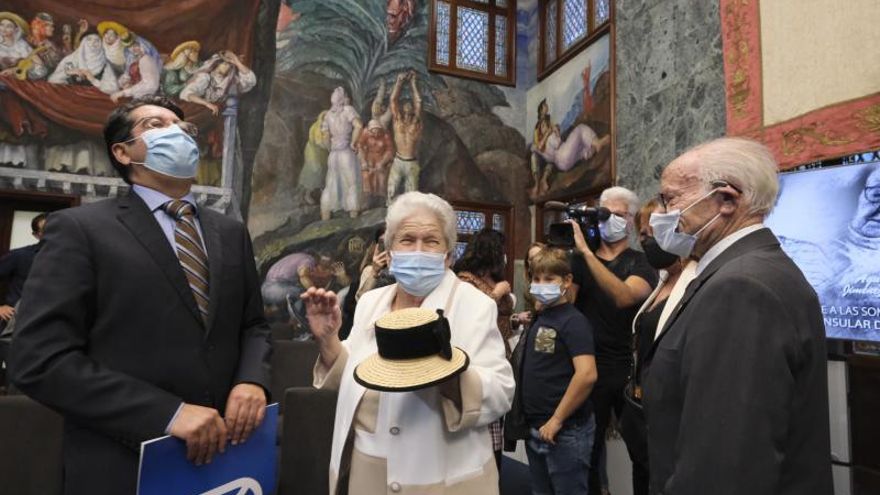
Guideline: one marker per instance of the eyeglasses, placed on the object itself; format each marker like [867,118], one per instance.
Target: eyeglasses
[664,200]
[148,123]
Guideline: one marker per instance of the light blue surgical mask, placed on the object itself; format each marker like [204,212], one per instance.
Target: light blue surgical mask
[418,272]
[170,151]
[613,229]
[665,227]
[546,294]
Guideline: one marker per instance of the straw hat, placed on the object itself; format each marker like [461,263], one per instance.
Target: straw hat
[122,31]
[414,352]
[15,18]
[195,45]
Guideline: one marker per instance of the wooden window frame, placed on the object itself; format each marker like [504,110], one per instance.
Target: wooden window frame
[488,209]
[452,69]
[562,56]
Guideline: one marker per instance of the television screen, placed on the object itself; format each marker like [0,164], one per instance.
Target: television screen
[828,221]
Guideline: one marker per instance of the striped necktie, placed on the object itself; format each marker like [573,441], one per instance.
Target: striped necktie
[190,252]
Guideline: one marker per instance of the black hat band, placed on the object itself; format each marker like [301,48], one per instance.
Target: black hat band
[430,339]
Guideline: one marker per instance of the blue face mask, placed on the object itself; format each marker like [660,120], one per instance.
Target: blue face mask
[171,152]
[418,272]
[546,294]
[665,227]
[613,229]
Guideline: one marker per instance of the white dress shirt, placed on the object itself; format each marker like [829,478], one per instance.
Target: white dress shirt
[723,244]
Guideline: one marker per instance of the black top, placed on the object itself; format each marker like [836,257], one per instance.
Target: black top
[14,267]
[646,329]
[558,334]
[612,326]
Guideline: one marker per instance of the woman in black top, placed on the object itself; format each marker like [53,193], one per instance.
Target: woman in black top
[632,422]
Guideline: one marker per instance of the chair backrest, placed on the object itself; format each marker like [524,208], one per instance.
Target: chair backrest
[292,364]
[306,440]
[30,456]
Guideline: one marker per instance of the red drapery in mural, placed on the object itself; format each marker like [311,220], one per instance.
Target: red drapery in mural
[216,24]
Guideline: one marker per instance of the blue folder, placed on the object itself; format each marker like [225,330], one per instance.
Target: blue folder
[248,468]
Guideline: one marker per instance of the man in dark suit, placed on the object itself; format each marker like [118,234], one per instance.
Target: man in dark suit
[736,393]
[142,315]
[15,266]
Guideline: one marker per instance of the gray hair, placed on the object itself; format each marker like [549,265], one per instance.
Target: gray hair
[746,164]
[409,203]
[622,194]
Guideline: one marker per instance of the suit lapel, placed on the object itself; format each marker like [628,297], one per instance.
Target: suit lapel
[211,234]
[755,240]
[139,220]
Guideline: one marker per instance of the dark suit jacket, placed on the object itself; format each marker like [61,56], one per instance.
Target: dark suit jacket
[15,266]
[736,394]
[110,335]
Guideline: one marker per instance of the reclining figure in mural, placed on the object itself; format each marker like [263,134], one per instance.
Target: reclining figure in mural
[341,128]
[407,120]
[581,144]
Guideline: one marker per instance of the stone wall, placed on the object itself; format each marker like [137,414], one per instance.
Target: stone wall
[670,84]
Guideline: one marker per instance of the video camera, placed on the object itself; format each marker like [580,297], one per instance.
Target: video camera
[588,217]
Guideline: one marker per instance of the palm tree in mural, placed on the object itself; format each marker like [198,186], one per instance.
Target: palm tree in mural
[348,40]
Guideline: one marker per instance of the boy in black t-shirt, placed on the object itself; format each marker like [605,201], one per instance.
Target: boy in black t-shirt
[558,371]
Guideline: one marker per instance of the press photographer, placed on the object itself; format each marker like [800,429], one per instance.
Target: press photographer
[611,282]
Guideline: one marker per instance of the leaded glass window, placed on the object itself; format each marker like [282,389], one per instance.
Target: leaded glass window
[550,31]
[442,23]
[574,22]
[500,45]
[470,221]
[568,26]
[473,38]
[602,11]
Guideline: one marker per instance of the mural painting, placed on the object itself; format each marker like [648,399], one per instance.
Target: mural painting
[355,119]
[569,116]
[63,69]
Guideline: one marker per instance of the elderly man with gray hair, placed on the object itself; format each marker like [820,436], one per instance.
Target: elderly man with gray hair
[612,283]
[736,395]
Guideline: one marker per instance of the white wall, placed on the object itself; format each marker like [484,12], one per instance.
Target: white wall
[21,229]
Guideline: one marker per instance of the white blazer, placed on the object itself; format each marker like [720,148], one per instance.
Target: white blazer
[422,450]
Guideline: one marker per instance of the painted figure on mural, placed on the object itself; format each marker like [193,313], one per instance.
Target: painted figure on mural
[314,170]
[544,128]
[45,55]
[380,111]
[142,72]
[398,16]
[87,65]
[114,38]
[581,144]
[407,121]
[342,186]
[375,152]
[220,76]
[182,65]
[13,45]
[588,95]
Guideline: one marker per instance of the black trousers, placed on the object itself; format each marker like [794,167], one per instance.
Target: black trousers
[633,429]
[607,396]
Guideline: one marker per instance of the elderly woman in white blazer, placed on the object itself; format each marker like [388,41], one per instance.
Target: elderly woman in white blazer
[434,440]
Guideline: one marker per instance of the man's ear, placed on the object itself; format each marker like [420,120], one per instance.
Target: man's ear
[120,152]
[730,199]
